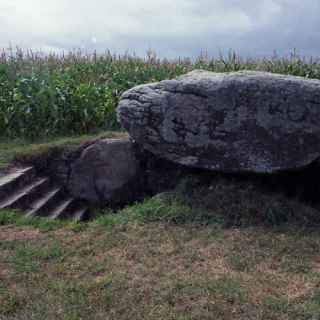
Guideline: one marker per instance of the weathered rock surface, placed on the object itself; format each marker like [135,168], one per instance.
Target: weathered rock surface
[116,172]
[234,122]
[106,172]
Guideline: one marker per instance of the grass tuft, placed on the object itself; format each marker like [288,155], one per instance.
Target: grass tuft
[10,217]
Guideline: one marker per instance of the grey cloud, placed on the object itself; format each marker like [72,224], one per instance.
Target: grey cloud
[171,28]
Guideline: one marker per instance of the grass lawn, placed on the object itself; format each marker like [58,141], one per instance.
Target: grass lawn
[101,270]
[146,262]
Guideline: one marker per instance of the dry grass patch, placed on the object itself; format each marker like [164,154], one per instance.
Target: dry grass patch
[158,271]
[8,233]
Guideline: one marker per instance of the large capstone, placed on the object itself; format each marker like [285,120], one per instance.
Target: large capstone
[107,172]
[233,122]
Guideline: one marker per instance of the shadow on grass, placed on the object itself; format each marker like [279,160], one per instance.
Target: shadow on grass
[224,202]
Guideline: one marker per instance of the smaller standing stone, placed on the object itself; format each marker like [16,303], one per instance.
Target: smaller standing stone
[106,172]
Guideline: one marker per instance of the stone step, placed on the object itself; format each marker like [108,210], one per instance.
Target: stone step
[20,188]
[15,178]
[24,203]
[42,204]
[62,210]
[22,194]
[80,214]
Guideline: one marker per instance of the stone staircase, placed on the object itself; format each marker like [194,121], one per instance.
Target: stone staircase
[23,189]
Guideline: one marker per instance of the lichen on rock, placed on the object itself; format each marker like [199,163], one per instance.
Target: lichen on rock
[244,121]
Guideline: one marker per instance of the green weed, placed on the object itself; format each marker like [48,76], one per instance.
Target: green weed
[160,209]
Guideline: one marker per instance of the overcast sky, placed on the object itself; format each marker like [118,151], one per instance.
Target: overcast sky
[170,27]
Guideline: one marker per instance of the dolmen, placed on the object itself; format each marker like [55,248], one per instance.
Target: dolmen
[239,122]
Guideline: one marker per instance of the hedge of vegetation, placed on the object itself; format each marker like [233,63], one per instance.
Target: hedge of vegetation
[77,93]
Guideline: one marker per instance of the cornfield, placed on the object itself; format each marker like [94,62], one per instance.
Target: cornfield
[44,95]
